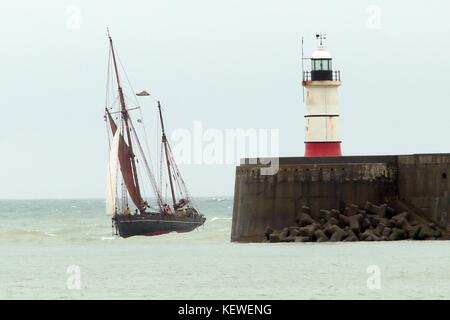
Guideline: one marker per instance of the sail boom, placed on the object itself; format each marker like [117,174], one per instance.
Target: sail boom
[130,109]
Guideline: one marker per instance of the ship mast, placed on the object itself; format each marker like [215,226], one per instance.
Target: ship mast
[164,141]
[125,118]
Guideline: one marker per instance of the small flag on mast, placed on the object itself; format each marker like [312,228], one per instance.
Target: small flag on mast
[143,93]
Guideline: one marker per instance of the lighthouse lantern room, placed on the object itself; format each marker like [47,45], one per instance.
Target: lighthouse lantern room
[323,136]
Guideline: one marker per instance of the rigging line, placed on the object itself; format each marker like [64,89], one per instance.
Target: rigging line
[114,90]
[178,186]
[113,104]
[149,171]
[126,77]
[182,189]
[109,136]
[107,79]
[183,183]
[130,101]
[159,155]
[151,96]
[175,173]
[124,196]
[139,173]
[165,197]
[161,168]
[125,202]
[185,189]
[145,139]
[144,132]
[111,86]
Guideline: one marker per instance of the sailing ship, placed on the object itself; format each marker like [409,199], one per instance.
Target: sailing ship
[128,162]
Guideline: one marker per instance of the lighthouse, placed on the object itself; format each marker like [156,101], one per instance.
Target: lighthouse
[323,137]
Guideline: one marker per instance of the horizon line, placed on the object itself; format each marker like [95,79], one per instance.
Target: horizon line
[97,198]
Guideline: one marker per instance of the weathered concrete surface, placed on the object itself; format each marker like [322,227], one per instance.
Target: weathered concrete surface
[275,201]
[424,182]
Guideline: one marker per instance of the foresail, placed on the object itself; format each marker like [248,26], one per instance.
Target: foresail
[111,175]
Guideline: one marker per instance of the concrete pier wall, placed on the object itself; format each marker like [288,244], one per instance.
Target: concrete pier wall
[333,183]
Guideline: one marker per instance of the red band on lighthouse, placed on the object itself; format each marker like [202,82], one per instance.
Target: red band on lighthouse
[323,149]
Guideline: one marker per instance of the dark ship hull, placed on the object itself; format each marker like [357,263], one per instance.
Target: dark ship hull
[153,224]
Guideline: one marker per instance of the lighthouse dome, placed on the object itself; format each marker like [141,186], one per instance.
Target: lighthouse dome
[321,53]
[321,65]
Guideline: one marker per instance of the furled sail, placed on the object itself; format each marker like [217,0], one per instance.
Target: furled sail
[125,159]
[111,176]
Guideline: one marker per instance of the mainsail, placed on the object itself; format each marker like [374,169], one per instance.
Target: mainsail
[111,176]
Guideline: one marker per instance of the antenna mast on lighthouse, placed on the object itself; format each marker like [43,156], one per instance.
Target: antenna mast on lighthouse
[303,66]
[321,36]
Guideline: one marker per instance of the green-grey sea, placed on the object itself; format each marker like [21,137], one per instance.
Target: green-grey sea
[64,249]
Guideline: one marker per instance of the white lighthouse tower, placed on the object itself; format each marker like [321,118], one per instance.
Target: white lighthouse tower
[323,137]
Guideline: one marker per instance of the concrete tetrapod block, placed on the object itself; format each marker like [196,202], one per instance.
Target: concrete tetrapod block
[335,214]
[320,236]
[306,210]
[398,234]
[351,210]
[355,223]
[274,237]
[377,210]
[305,220]
[426,232]
[351,237]
[308,231]
[302,239]
[324,214]
[337,234]
[343,221]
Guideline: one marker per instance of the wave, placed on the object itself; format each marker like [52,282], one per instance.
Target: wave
[221,199]
[109,238]
[218,218]
[14,233]
[50,234]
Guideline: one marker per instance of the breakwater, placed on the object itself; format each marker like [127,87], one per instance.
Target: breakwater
[420,182]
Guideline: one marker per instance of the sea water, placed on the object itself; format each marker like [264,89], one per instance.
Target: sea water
[65,249]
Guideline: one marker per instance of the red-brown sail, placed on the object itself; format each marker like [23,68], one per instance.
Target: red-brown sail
[125,161]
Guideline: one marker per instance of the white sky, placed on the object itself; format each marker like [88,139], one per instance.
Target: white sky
[229,64]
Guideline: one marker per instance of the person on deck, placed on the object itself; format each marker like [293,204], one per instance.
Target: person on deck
[166,209]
